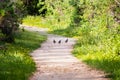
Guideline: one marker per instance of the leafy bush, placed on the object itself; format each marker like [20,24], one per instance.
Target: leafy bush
[10,17]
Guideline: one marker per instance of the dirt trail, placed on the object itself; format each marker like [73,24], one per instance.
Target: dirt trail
[54,61]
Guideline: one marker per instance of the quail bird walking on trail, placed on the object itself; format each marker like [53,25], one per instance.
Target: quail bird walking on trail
[66,40]
[54,41]
[59,41]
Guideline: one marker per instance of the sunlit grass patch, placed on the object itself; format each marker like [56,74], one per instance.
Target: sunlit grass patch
[102,54]
[16,63]
[50,22]
[34,21]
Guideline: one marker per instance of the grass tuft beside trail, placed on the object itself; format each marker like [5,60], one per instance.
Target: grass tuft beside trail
[16,63]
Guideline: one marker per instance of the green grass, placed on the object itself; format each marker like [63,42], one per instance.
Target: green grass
[99,50]
[103,56]
[34,21]
[16,63]
[50,22]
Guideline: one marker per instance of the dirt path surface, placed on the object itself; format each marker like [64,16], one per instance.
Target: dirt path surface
[54,61]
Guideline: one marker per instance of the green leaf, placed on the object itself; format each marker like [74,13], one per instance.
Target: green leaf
[2,12]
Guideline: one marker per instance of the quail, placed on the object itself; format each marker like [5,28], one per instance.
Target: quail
[54,41]
[66,40]
[59,41]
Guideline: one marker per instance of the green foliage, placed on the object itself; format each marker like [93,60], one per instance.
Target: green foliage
[58,15]
[31,7]
[35,7]
[10,17]
[16,63]
[98,43]
[42,7]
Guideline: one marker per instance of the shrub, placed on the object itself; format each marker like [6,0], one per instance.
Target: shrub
[10,17]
